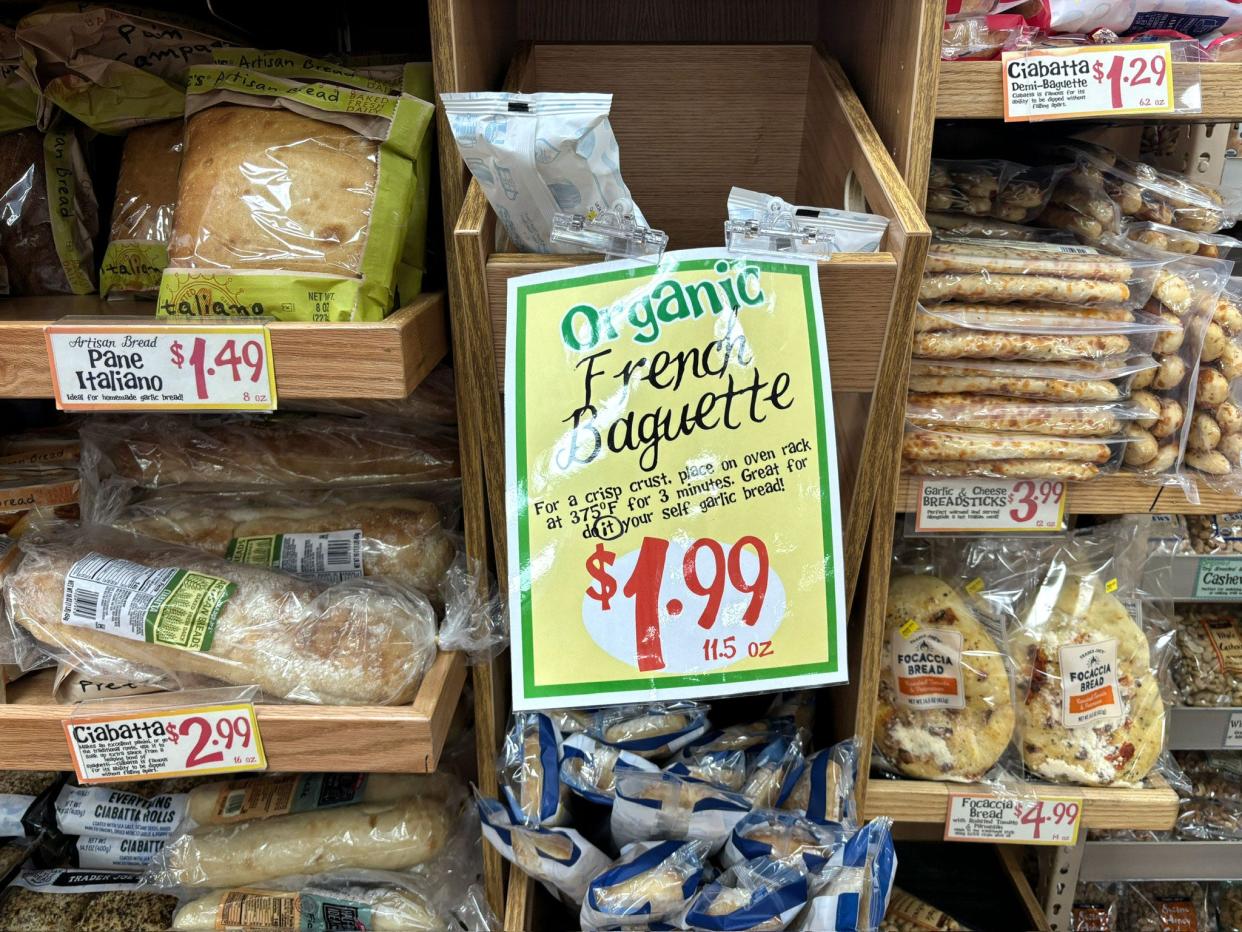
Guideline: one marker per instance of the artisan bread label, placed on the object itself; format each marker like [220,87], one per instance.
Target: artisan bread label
[1089,691]
[267,909]
[243,800]
[1226,643]
[927,668]
[159,605]
[328,557]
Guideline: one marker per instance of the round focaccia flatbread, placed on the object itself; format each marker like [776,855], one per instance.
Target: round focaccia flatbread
[938,742]
[1121,745]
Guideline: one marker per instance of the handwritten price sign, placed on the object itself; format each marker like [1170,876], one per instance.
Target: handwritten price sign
[162,368]
[180,742]
[984,505]
[666,584]
[1101,80]
[1013,821]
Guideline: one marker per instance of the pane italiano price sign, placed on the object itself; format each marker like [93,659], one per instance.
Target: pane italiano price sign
[1098,80]
[672,482]
[161,367]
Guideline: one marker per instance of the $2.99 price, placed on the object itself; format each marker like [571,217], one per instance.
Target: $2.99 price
[199,730]
[646,580]
[251,356]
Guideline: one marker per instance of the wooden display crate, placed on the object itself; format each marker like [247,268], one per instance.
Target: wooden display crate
[385,359]
[296,737]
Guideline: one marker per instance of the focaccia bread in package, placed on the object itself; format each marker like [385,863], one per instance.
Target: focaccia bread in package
[293,198]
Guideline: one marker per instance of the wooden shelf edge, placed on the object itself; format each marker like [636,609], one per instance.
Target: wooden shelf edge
[379,359]
[1153,807]
[971,90]
[296,737]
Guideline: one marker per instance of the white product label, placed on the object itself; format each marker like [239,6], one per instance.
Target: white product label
[328,557]
[1064,249]
[1048,821]
[1089,691]
[927,669]
[161,368]
[68,880]
[957,505]
[1233,731]
[159,605]
[1101,80]
[12,807]
[117,854]
[97,810]
[173,742]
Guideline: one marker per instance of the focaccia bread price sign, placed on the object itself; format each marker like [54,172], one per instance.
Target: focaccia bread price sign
[672,482]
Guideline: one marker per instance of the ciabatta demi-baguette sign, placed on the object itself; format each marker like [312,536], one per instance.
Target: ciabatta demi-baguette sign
[672,481]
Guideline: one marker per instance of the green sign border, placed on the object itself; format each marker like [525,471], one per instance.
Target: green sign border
[519,401]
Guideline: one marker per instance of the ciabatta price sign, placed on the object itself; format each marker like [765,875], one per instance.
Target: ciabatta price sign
[1088,81]
[161,367]
[672,481]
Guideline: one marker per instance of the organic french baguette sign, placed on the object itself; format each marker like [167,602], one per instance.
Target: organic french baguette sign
[672,482]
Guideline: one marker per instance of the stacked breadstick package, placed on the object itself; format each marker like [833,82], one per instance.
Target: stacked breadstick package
[1023,357]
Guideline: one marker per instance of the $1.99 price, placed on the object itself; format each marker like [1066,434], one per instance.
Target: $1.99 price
[676,593]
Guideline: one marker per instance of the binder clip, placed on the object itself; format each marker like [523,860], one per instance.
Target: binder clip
[612,232]
[783,230]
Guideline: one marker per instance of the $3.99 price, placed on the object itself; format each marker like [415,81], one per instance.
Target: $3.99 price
[251,356]
[730,581]
[1027,497]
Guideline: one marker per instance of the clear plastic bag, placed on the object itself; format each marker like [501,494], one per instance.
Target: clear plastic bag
[651,882]
[1206,666]
[1054,319]
[1214,445]
[825,789]
[142,214]
[845,230]
[1102,380]
[1215,534]
[293,198]
[752,896]
[1001,414]
[589,767]
[907,913]
[138,608]
[387,900]
[1227,898]
[560,858]
[1172,239]
[945,453]
[853,896]
[1091,709]
[1080,205]
[1157,906]
[650,806]
[652,731]
[982,38]
[537,154]
[50,216]
[529,771]
[1005,191]
[1196,17]
[946,703]
[774,773]
[1095,907]
[322,535]
[69,898]
[243,452]
[392,835]
[783,836]
[722,767]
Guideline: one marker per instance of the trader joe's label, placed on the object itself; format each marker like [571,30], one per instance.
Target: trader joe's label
[672,481]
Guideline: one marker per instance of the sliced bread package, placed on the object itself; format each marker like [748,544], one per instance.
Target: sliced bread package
[294,198]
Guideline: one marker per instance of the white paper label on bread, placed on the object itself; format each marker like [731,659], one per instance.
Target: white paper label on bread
[1089,690]
[927,667]
[158,605]
[117,854]
[987,818]
[328,557]
[1074,82]
[97,810]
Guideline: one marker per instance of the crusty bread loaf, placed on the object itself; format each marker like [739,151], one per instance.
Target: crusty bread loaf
[272,189]
[146,187]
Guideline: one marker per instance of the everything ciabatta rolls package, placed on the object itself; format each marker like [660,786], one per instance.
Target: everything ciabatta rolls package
[325,178]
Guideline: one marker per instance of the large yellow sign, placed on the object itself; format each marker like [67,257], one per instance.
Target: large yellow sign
[672,480]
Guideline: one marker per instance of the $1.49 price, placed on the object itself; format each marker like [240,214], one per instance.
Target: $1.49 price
[734,581]
[228,360]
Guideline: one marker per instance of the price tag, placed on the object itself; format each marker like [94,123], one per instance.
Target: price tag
[1233,730]
[133,367]
[110,747]
[1047,821]
[1100,80]
[1219,578]
[985,505]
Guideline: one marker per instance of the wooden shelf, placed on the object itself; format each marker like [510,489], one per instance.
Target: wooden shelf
[389,739]
[972,90]
[1103,807]
[385,359]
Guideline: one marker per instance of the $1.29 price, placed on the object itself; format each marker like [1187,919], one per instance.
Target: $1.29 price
[229,360]
[1134,70]
[715,572]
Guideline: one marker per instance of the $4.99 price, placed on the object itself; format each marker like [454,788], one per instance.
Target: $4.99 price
[1020,821]
[734,582]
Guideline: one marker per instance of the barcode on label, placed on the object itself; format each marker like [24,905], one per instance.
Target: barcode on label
[86,604]
[340,554]
[233,803]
